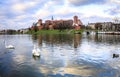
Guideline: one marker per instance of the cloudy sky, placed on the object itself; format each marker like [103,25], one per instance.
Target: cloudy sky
[16,14]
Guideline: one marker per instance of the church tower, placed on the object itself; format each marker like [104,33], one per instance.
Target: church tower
[52,18]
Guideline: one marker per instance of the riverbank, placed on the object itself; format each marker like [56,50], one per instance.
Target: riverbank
[55,31]
[109,32]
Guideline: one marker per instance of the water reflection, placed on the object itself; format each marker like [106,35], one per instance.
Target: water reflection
[77,40]
[58,39]
[89,60]
[110,39]
[62,55]
[36,57]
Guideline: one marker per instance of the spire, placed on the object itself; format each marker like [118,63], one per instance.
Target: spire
[52,18]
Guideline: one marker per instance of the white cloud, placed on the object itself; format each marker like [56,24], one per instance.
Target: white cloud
[21,17]
[76,1]
[22,13]
[41,13]
[2,26]
[115,1]
[98,11]
[63,11]
[48,9]
[2,17]
[85,2]
[21,7]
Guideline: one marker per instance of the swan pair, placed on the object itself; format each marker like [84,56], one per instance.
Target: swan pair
[36,51]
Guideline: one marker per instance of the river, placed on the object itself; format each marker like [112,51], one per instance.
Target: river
[62,55]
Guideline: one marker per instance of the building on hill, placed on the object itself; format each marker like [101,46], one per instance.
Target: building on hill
[77,23]
[58,24]
[39,24]
[48,23]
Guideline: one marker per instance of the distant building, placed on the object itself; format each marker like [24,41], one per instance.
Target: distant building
[24,30]
[58,24]
[105,26]
[116,26]
[77,23]
[48,24]
[39,24]
[91,25]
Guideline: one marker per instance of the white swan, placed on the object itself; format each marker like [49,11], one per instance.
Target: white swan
[36,51]
[9,46]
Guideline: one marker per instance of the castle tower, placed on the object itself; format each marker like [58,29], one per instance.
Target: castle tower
[75,19]
[39,23]
[77,23]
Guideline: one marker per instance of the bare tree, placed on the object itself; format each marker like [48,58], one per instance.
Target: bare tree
[116,20]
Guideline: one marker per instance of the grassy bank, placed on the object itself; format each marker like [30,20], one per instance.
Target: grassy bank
[54,31]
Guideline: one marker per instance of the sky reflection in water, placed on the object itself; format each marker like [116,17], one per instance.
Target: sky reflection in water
[61,56]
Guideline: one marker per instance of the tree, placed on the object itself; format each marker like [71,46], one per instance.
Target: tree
[36,28]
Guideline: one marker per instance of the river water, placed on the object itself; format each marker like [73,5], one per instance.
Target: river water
[62,55]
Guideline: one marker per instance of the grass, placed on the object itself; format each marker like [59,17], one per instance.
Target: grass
[54,31]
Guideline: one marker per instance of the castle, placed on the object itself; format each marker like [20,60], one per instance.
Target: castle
[58,24]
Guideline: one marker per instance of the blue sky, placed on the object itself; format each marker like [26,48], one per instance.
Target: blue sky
[17,14]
